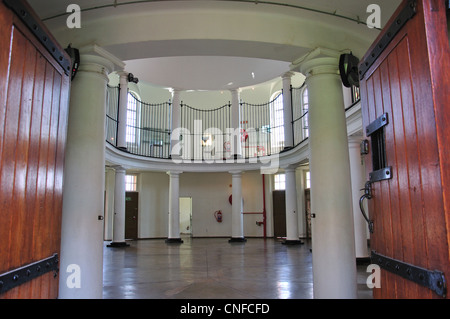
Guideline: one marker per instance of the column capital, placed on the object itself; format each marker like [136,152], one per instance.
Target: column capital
[235,92]
[175,90]
[355,139]
[317,66]
[119,168]
[174,173]
[287,75]
[96,65]
[290,168]
[95,50]
[122,74]
[236,173]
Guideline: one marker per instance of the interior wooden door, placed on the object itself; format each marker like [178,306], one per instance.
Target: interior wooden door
[279,213]
[308,213]
[405,105]
[34,93]
[131,215]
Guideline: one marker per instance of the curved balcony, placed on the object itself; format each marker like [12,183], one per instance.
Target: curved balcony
[206,141]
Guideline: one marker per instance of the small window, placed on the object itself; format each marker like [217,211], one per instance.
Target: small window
[277,122]
[305,107]
[130,183]
[356,95]
[376,132]
[280,182]
[132,118]
[308,180]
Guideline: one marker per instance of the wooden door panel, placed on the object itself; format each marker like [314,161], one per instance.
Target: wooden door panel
[34,94]
[131,215]
[407,209]
[279,213]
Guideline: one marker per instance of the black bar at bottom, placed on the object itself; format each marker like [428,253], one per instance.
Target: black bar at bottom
[19,276]
[433,280]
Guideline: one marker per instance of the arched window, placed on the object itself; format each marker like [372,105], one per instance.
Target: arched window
[305,108]
[132,118]
[277,122]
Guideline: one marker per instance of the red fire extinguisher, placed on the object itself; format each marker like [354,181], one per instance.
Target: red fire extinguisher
[218,216]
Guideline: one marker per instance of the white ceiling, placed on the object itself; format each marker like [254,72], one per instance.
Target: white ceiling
[162,65]
[206,72]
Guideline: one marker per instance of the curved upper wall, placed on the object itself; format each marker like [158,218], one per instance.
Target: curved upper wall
[225,28]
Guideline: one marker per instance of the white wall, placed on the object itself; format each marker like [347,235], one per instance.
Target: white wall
[209,192]
[153,204]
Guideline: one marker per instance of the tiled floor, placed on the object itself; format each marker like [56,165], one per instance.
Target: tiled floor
[212,268]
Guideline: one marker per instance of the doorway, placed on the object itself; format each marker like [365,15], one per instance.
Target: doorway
[279,213]
[308,212]
[131,215]
[186,216]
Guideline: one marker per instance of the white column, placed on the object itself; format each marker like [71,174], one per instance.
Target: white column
[109,203]
[174,208]
[175,151]
[237,218]
[84,183]
[235,123]
[287,111]
[300,178]
[122,112]
[333,241]
[358,181]
[119,209]
[176,109]
[292,237]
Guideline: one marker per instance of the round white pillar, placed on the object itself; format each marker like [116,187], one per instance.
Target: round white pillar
[358,181]
[333,241]
[119,209]
[176,123]
[292,237]
[176,109]
[237,218]
[287,111]
[122,112]
[174,208]
[235,123]
[81,262]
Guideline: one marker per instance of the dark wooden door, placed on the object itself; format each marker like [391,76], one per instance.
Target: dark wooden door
[308,212]
[279,213]
[405,107]
[34,92]
[131,215]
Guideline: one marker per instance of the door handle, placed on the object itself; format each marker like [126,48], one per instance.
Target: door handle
[367,194]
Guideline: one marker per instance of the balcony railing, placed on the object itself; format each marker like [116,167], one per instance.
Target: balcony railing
[206,134]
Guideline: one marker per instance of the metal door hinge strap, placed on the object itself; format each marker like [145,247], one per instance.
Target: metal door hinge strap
[34,25]
[405,15]
[19,276]
[430,279]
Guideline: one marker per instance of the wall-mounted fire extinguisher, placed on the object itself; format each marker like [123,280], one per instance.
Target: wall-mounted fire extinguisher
[218,216]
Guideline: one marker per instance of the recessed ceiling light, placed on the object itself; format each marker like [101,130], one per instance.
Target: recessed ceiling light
[231,83]
[253,75]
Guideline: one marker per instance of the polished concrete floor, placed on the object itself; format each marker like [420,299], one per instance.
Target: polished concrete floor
[212,268]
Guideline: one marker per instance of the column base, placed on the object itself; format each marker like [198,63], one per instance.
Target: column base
[363,260]
[174,241]
[292,242]
[118,244]
[237,240]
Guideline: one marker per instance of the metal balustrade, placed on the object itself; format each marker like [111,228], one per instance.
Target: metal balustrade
[206,134]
